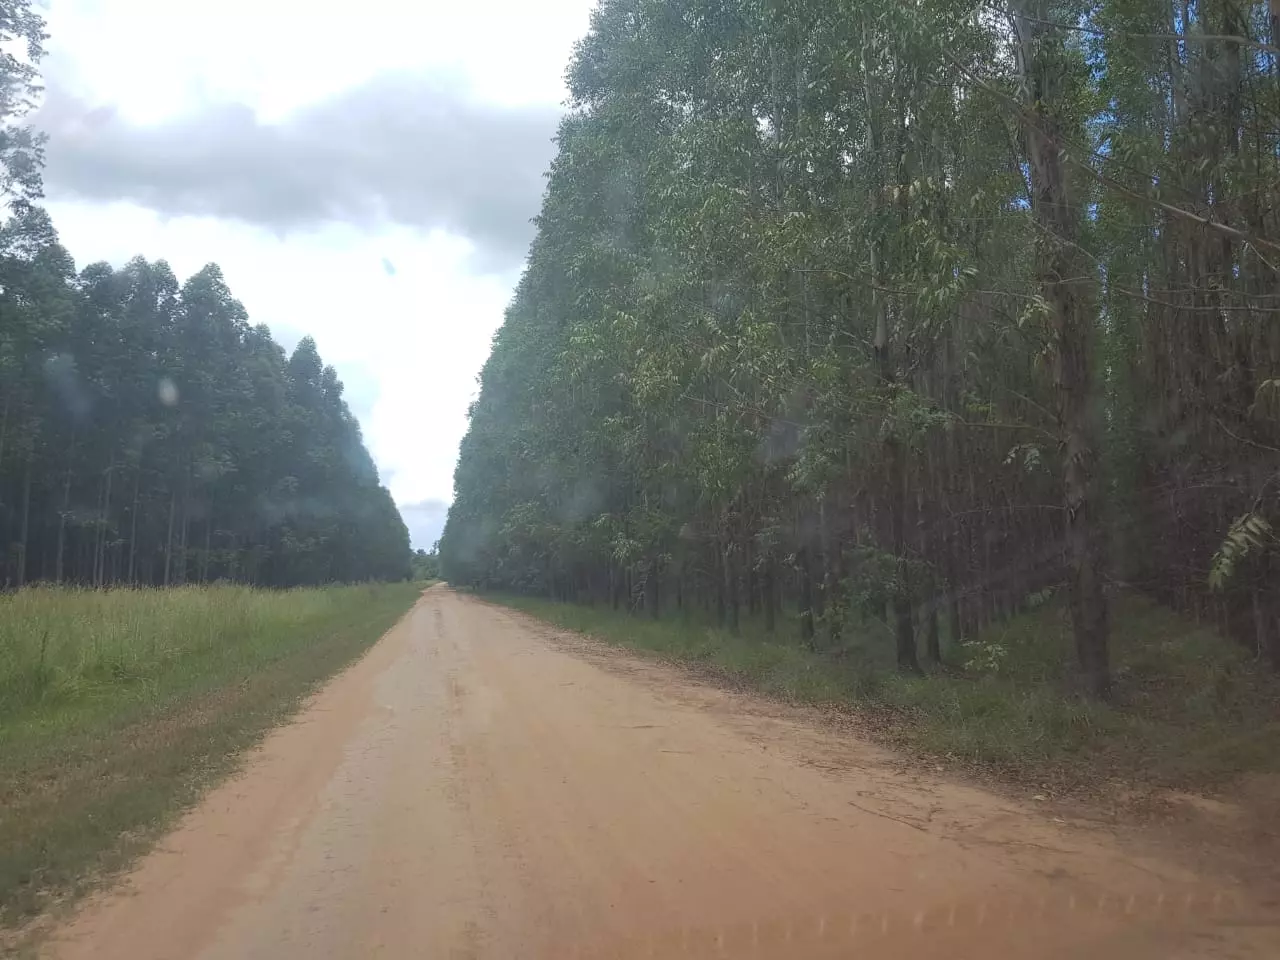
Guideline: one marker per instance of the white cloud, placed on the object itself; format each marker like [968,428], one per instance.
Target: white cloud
[409,341]
[282,54]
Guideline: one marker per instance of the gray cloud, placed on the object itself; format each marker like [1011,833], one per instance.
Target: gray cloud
[409,150]
[425,521]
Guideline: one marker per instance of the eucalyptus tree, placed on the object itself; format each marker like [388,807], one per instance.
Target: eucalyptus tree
[151,436]
[148,433]
[909,312]
[22,37]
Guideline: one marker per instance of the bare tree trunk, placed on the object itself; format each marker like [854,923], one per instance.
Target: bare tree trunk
[928,542]
[100,564]
[769,596]
[904,628]
[208,546]
[955,626]
[731,587]
[95,550]
[4,426]
[62,516]
[895,472]
[168,540]
[806,595]
[133,523]
[830,574]
[183,527]
[25,528]
[722,580]
[1065,286]
[932,639]
[233,565]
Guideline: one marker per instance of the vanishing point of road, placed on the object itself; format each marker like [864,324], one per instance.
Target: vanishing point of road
[480,785]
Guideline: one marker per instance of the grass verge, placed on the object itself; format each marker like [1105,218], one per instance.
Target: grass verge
[1191,708]
[118,708]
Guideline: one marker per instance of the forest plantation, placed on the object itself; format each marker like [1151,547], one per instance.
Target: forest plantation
[149,433]
[923,313]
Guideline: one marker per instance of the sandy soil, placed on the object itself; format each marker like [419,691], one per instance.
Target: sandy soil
[481,786]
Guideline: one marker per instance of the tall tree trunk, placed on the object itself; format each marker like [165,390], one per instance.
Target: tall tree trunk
[168,539]
[95,548]
[722,581]
[806,595]
[133,523]
[904,628]
[233,564]
[183,526]
[208,546]
[955,626]
[830,557]
[932,639]
[731,587]
[25,527]
[100,565]
[1065,284]
[4,427]
[925,521]
[769,596]
[895,471]
[62,516]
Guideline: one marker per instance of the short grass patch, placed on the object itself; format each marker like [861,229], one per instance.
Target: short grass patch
[118,708]
[1191,708]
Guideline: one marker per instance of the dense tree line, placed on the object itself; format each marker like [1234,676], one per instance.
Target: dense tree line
[426,566]
[915,310]
[149,434]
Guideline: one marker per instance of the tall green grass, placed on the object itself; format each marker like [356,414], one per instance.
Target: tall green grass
[68,646]
[1190,708]
[119,707]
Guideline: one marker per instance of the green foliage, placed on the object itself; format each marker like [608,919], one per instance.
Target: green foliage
[22,38]
[148,433]
[426,566]
[750,658]
[898,313]
[1248,533]
[152,436]
[1189,707]
[985,656]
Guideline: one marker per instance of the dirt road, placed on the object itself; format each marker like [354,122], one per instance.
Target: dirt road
[480,786]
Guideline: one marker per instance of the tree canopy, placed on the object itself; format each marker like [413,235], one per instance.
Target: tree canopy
[913,310]
[149,434]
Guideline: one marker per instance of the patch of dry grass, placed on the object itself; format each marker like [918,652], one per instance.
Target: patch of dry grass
[118,708]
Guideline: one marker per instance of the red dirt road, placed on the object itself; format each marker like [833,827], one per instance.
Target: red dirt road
[479,786]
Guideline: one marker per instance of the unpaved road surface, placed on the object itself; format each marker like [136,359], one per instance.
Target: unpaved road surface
[480,786]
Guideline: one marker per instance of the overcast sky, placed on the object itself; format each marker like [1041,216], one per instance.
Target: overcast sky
[365,176]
